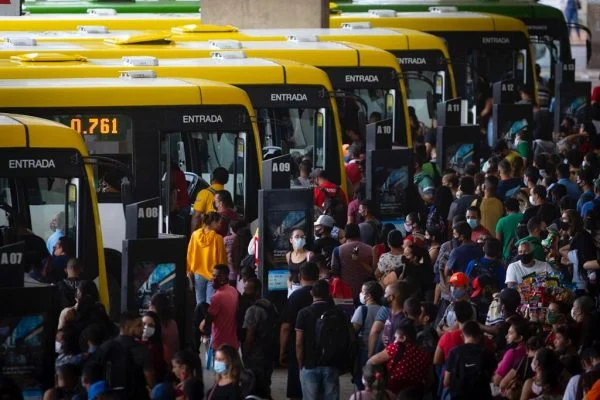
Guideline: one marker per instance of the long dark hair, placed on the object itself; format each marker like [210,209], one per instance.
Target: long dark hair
[162,307]
[156,339]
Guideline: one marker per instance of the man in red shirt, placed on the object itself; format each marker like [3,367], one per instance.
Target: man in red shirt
[325,188]
[353,172]
[474,221]
[452,339]
[222,312]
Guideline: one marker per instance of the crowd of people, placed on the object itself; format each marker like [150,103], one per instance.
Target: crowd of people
[488,288]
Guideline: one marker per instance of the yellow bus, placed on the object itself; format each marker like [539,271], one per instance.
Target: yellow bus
[365,79]
[103,17]
[147,124]
[43,172]
[293,102]
[424,58]
[484,48]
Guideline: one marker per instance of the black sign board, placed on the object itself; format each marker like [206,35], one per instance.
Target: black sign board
[420,60]
[457,146]
[28,321]
[564,72]
[280,212]
[506,91]
[572,100]
[150,266]
[509,120]
[141,219]
[12,259]
[389,173]
[33,162]
[297,96]
[449,112]
[363,78]
[200,119]
[379,135]
[277,172]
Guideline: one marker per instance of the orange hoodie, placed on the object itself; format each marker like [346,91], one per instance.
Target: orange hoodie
[205,250]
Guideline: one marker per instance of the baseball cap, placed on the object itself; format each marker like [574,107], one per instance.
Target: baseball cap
[458,279]
[480,283]
[325,220]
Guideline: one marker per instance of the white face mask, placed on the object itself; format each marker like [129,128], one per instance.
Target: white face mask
[148,332]
[361,297]
[531,200]
[58,347]
[458,194]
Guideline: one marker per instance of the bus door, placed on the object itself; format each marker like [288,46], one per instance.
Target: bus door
[298,120]
[186,165]
[366,95]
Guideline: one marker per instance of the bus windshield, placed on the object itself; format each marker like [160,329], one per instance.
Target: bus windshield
[46,207]
[296,131]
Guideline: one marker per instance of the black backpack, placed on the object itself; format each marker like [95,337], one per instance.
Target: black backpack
[334,206]
[267,334]
[119,370]
[470,379]
[335,340]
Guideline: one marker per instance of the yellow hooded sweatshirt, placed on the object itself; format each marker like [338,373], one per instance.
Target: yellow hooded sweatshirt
[205,250]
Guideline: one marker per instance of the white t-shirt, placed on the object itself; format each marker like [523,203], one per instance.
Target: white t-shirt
[389,262]
[516,271]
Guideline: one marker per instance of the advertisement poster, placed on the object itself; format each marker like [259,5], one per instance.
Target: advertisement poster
[281,223]
[391,185]
[22,352]
[459,155]
[150,278]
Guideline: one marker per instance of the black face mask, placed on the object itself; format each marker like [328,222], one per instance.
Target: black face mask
[384,300]
[526,258]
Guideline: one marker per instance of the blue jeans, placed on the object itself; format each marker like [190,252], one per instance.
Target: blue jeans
[320,383]
[203,288]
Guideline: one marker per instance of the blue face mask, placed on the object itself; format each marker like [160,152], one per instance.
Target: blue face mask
[220,367]
[457,293]
[472,223]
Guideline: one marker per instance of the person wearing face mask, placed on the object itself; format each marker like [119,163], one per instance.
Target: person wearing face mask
[370,227]
[324,243]
[363,319]
[382,331]
[526,265]
[587,321]
[547,380]
[465,252]
[222,312]
[459,285]
[407,364]
[228,368]
[517,336]
[585,179]
[540,207]
[464,198]
[296,258]
[152,340]
[535,227]
[590,361]
[138,361]
[473,219]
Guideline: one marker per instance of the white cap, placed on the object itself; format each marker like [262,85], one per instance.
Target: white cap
[325,220]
